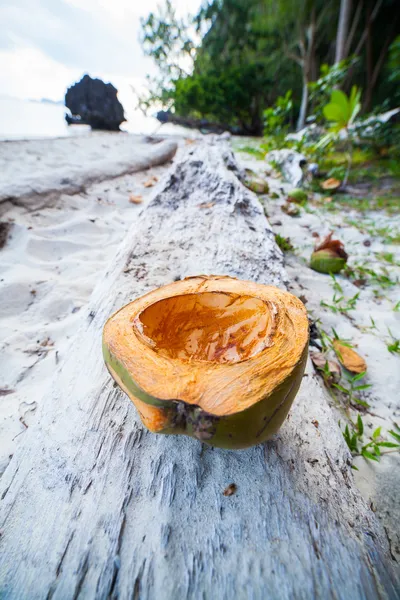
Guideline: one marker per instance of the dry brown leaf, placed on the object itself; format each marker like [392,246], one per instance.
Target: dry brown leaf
[349,358]
[315,423]
[336,246]
[319,361]
[230,490]
[331,184]
[206,205]
[150,182]
[189,141]
[135,199]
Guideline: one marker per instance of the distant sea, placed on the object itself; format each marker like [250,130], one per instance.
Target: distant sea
[31,119]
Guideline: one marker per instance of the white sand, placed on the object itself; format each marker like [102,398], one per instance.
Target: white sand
[58,247]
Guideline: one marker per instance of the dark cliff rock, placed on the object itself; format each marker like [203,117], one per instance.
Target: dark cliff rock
[95,103]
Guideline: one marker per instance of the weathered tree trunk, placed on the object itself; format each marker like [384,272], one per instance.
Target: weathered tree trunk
[369,57]
[96,507]
[307,52]
[342,30]
[303,106]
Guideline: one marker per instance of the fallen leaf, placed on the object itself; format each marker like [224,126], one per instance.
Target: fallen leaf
[319,361]
[315,234]
[189,141]
[328,199]
[331,184]
[349,358]
[135,199]
[230,490]
[359,282]
[148,183]
[206,205]
[336,246]
[315,423]
[151,181]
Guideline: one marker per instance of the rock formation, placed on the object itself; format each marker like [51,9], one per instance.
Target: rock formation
[95,103]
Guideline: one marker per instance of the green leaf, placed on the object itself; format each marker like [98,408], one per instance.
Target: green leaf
[368,455]
[354,104]
[341,388]
[360,426]
[335,335]
[358,376]
[354,467]
[362,387]
[388,445]
[376,450]
[360,402]
[376,433]
[394,434]
[333,112]
[340,99]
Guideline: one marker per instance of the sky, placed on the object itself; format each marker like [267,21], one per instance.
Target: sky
[47,45]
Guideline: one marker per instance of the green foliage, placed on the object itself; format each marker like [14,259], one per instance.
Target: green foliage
[284,243]
[372,449]
[236,57]
[394,346]
[340,304]
[256,152]
[277,117]
[353,388]
[331,76]
[342,110]
[394,61]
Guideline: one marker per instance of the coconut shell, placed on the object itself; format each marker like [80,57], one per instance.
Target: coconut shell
[214,358]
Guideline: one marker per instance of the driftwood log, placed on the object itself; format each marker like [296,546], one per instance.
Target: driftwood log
[206,126]
[94,506]
[20,187]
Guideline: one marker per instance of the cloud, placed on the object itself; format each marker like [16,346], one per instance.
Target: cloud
[76,37]
[48,44]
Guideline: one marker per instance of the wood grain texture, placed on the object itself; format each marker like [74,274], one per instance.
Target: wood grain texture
[95,507]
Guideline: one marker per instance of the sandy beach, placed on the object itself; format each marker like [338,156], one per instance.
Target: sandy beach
[62,232]
[371,327]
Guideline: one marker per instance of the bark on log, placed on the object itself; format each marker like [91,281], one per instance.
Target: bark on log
[96,507]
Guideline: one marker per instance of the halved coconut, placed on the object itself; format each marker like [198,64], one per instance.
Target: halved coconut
[213,357]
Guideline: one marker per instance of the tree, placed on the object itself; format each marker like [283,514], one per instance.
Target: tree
[253,51]
[343,29]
